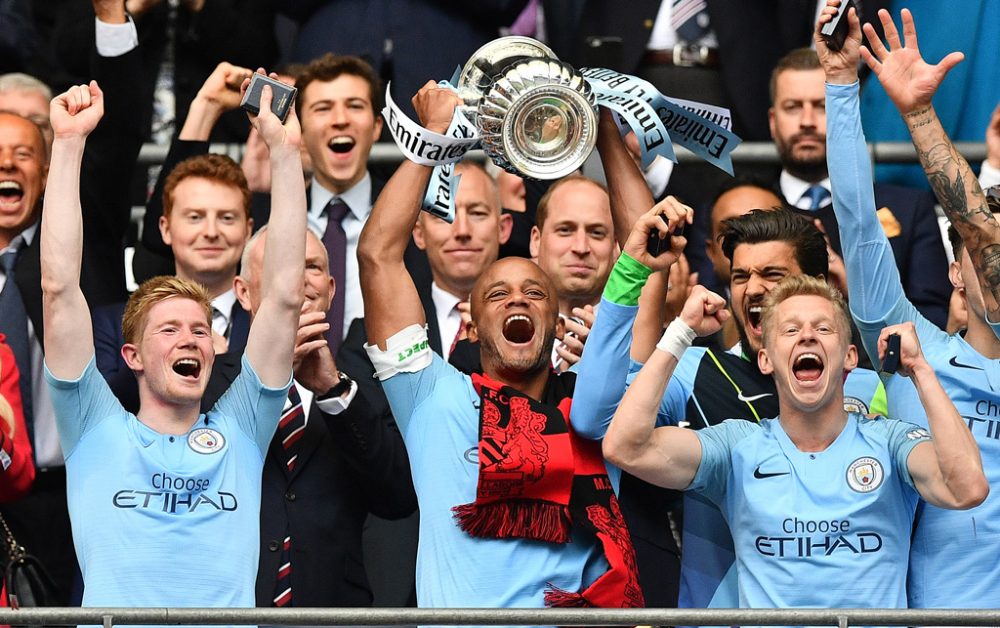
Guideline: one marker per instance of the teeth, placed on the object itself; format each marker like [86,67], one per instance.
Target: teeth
[756,309]
[342,140]
[10,185]
[808,356]
[518,317]
[187,361]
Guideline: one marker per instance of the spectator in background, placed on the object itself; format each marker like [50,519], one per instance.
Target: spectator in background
[27,96]
[799,130]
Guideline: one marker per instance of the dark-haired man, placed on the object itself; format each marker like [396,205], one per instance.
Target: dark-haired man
[505,429]
[708,386]
[799,129]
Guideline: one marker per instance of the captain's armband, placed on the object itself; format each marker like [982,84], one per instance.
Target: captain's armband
[406,351]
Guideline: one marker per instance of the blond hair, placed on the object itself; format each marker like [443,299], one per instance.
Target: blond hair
[154,291]
[804,285]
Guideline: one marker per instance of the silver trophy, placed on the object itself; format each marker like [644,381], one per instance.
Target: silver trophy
[536,116]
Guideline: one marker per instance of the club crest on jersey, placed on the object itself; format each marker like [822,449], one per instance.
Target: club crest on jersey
[853,404]
[865,475]
[205,440]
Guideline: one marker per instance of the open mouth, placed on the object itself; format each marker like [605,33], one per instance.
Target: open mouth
[754,313]
[807,367]
[187,367]
[11,193]
[342,145]
[518,329]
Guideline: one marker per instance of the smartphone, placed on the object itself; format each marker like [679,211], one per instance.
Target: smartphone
[835,31]
[657,245]
[890,363]
[282,96]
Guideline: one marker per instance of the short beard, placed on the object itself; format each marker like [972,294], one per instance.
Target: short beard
[811,170]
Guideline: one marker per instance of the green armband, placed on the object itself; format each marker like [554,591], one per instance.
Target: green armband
[880,402]
[626,281]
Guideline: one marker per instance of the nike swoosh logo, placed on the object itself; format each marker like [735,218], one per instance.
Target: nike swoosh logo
[954,362]
[752,398]
[761,476]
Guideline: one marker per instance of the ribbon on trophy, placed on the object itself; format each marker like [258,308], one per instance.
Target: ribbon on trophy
[551,127]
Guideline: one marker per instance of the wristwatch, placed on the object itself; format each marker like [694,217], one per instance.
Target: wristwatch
[338,389]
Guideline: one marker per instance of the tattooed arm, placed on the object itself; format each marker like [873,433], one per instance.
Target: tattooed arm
[911,83]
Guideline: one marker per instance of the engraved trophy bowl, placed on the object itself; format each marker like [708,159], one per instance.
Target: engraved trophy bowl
[536,115]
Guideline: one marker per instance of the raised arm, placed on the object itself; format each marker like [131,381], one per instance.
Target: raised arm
[271,340]
[69,338]
[604,366]
[629,193]
[947,470]
[391,299]
[665,456]
[911,84]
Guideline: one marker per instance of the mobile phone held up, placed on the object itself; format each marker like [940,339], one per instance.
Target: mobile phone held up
[657,245]
[282,96]
[835,31]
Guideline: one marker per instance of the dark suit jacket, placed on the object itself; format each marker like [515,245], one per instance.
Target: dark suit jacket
[108,341]
[349,464]
[918,248]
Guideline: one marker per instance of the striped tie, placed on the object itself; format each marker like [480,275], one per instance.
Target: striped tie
[689,19]
[291,426]
[283,587]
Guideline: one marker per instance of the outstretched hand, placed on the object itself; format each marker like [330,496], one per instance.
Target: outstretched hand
[841,66]
[76,112]
[271,129]
[908,80]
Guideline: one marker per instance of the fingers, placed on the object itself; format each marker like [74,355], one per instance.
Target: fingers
[568,357]
[580,331]
[950,61]
[875,44]
[889,27]
[870,60]
[586,314]
[909,30]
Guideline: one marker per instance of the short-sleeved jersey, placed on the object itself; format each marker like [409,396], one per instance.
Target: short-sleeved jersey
[437,409]
[821,529]
[160,519]
[706,388]
[948,564]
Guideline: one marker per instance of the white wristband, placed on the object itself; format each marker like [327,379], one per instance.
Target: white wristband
[677,337]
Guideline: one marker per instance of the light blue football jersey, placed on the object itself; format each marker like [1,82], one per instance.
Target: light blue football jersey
[953,560]
[820,529]
[160,519]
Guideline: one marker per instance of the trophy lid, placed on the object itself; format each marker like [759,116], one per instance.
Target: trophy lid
[489,62]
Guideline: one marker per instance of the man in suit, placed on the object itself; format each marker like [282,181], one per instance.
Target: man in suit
[40,521]
[206,222]
[328,466]
[798,128]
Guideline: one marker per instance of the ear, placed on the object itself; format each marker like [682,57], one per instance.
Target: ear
[377,130]
[472,331]
[560,327]
[249,225]
[771,122]
[165,230]
[536,236]
[506,226]
[130,353]
[418,234]
[333,291]
[851,360]
[764,362]
[955,274]
[242,290]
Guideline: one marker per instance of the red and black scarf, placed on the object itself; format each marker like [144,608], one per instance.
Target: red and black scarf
[538,479]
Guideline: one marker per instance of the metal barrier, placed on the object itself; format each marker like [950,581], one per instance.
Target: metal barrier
[842,617]
[746,153]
